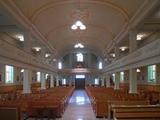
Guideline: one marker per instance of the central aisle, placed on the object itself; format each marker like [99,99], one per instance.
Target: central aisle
[79,107]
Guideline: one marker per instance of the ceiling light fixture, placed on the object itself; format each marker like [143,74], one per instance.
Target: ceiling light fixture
[37,49]
[74,27]
[138,70]
[140,36]
[123,48]
[20,37]
[22,70]
[78,24]
[78,45]
[47,55]
[113,54]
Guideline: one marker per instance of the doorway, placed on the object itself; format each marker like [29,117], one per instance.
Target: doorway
[80,83]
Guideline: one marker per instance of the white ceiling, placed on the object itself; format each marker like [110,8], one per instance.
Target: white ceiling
[104,19]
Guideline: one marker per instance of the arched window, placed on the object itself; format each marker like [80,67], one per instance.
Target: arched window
[96,81]
[46,76]
[113,77]
[122,76]
[79,57]
[38,76]
[59,65]
[152,73]
[63,81]
[100,65]
[9,75]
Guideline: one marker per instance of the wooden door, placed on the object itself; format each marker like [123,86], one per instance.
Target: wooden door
[79,83]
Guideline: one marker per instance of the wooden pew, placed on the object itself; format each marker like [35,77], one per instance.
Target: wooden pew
[100,96]
[43,110]
[111,103]
[136,112]
[52,101]
[9,113]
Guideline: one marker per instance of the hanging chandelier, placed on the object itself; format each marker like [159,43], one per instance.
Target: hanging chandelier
[78,25]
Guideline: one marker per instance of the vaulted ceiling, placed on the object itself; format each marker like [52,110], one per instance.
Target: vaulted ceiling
[104,19]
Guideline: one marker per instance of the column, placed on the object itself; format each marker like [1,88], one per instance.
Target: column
[132,41]
[117,52]
[27,41]
[117,80]
[16,72]
[89,59]
[57,80]
[158,73]
[52,81]
[69,80]
[3,73]
[27,77]
[70,59]
[108,58]
[42,56]
[107,80]
[132,80]
[89,80]
[43,81]
[102,78]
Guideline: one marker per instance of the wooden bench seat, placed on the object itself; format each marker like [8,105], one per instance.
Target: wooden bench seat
[43,111]
[51,102]
[136,112]
[9,113]
[100,97]
[112,103]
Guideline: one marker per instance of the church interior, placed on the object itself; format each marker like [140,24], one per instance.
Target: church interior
[80,60]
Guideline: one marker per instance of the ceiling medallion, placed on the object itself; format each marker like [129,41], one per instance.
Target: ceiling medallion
[80,13]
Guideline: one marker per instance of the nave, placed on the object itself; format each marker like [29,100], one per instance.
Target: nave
[50,48]
[79,107]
